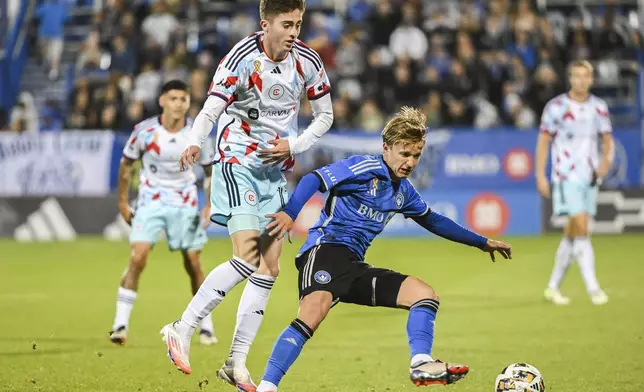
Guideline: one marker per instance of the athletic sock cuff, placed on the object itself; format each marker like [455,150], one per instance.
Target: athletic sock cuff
[263,281]
[242,267]
[302,328]
[431,304]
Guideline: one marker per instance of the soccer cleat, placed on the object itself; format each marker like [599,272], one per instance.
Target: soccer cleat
[207,338]
[119,335]
[178,348]
[599,298]
[436,372]
[238,377]
[556,297]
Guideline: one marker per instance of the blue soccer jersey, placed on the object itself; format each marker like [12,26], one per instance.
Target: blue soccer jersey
[362,200]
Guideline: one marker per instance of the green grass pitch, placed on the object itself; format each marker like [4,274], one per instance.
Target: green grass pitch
[57,304]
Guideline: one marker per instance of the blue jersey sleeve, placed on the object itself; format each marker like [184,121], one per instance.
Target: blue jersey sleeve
[413,204]
[335,173]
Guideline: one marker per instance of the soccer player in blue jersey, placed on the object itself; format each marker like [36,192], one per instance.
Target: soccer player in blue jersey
[365,192]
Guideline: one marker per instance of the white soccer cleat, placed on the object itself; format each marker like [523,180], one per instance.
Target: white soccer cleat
[207,338]
[236,376]
[178,348]
[556,297]
[119,335]
[599,298]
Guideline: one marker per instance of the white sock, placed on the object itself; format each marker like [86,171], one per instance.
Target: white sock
[583,250]
[250,315]
[563,259]
[266,386]
[421,358]
[217,284]
[124,304]
[206,324]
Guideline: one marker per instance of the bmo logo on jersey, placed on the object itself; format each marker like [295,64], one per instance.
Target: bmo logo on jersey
[370,213]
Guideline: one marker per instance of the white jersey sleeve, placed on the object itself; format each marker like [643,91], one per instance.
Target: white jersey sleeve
[548,123]
[603,117]
[227,78]
[207,153]
[135,146]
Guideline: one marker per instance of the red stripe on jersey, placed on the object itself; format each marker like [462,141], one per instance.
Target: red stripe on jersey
[298,67]
[153,147]
[602,113]
[289,163]
[566,153]
[233,160]
[255,80]
[252,148]
[245,127]
[133,140]
[572,167]
[194,203]
[568,115]
[156,196]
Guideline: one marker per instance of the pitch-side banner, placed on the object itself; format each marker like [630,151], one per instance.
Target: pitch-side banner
[61,164]
[470,159]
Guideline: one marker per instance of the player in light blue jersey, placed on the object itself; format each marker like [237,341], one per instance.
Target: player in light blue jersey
[167,202]
[365,192]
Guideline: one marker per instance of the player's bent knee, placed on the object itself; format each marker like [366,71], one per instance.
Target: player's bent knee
[139,257]
[413,290]
[314,308]
[270,269]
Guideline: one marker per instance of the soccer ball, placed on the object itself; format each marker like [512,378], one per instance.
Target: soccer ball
[520,377]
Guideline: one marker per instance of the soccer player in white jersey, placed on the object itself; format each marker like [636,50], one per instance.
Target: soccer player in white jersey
[255,97]
[167,201]
[573,124]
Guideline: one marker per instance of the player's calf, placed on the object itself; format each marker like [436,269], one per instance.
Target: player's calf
[314,308]
[423,303]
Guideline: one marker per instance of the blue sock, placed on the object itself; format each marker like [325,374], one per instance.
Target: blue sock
[420,326]
[286,350]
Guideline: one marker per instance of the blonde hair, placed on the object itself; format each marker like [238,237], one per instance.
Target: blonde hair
[581,64]
[407,126]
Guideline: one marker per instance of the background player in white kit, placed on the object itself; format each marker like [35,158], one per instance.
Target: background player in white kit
[167,201]
[574,123]
[256,90]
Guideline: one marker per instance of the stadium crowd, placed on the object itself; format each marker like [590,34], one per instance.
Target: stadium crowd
[466,63]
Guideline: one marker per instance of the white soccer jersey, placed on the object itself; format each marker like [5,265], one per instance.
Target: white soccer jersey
[575,128]
[159,150]
[263,97]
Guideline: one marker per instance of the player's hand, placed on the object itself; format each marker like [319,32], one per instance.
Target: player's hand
[205,216]
[504,249]
[280,152]
[281,225]
[543,186]
[189,157]
[126,212]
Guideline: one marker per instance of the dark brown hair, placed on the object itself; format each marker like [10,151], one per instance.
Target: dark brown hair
[268,8]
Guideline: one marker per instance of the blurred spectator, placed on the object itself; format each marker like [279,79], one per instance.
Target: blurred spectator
[370,118]
[383,21]
[171,70]
[90,54]
[4,125]
[522,116]
[160,24]
[51,118]
[496,27]
[52,14]
[547,83]
[523,48]
[146,85]
[432,109]
[407,40]
[525,18]
[108,20]
[24,115]
[123,60]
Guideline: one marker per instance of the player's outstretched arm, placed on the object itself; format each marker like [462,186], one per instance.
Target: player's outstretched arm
[125,175]
[205,214]
[201,127]
[543,144]
[448,229]
[284,220]
[322,121]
